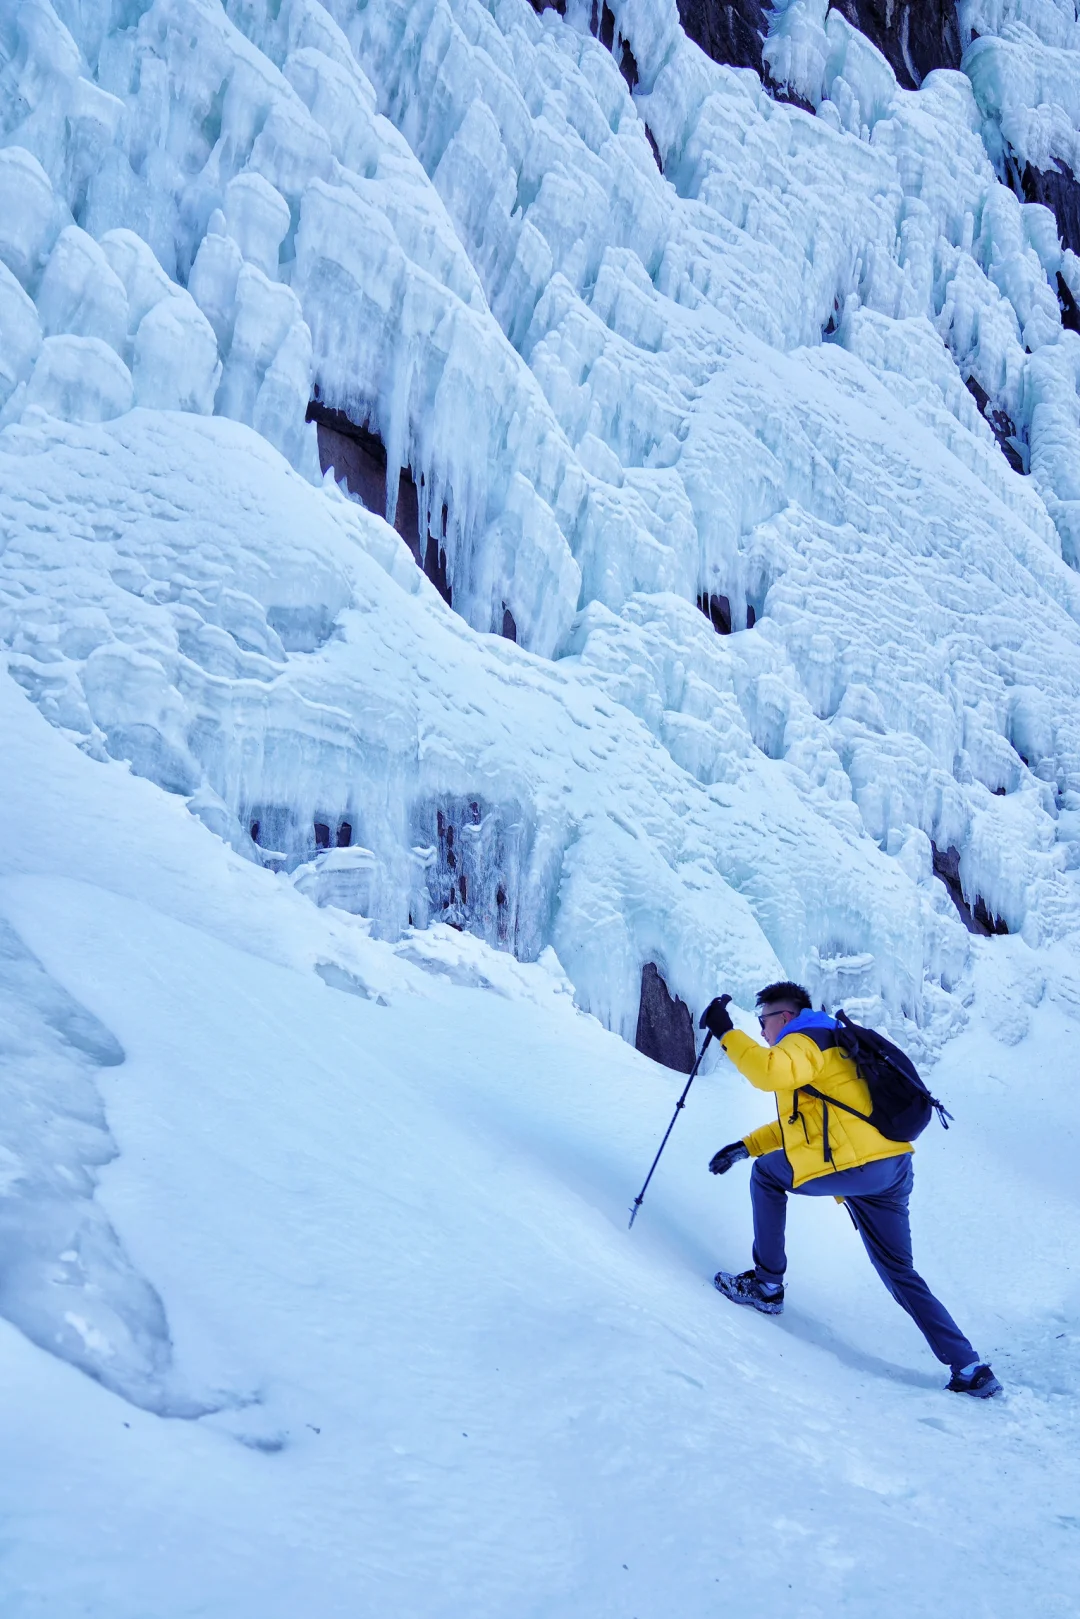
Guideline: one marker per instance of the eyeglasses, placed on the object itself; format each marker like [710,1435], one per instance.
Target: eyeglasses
[765,1016]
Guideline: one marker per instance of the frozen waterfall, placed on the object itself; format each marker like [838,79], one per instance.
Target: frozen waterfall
[605,348]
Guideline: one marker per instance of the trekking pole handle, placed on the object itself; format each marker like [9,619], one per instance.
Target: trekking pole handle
[681,1103]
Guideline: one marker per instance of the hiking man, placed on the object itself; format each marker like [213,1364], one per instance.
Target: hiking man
[815,1150]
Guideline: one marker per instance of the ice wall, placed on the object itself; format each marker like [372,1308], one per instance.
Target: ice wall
[446,775]
[1022,60]
[635,351]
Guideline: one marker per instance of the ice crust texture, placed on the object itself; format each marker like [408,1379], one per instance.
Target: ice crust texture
[740,376]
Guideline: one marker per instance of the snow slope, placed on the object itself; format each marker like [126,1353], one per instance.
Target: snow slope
[387,1230]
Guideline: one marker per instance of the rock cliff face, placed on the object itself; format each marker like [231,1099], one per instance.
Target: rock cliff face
[728,33]
[359,457]
[915,36]
[1058,190]
[665,1027]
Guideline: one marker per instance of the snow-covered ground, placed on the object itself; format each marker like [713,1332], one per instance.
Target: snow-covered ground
[324,903]
[371,1222]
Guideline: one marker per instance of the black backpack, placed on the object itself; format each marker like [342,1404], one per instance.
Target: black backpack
[900,1104]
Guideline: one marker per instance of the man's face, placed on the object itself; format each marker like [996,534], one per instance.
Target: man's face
[772,1021]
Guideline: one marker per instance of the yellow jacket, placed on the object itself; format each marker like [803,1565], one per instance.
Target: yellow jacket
[799,1129]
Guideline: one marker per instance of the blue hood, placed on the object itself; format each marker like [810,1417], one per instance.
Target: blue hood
[809,1020]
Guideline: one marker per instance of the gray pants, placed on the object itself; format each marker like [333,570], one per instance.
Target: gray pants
[877,1198]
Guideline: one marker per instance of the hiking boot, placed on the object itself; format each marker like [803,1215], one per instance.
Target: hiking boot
[978,1381]
[746,1289]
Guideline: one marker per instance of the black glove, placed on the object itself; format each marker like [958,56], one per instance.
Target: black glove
[715,1017]
[721,1161]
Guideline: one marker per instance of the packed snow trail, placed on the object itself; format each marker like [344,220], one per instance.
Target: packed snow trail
[392,1237]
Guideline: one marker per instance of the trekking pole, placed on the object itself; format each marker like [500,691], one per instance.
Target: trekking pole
[681,1103]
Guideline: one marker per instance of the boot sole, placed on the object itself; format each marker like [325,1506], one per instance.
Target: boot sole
[762,1306]
[987,1391]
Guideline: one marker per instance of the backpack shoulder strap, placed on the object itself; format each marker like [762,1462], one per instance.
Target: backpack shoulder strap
[826,1103]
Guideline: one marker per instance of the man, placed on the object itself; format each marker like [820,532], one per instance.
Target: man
[819,1151]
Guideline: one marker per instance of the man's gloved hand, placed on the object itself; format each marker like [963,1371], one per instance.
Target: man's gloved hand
[715,1017]
[721,1161]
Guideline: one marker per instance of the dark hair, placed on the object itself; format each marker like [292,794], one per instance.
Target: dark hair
[785,994]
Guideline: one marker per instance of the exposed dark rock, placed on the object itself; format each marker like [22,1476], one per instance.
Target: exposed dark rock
[976,918]
[665,1028]
[509,625]
[435,559]
[359,456]
[1010,443]
[728,33]
[732,32]
[1059,190]
[628,66]
[1070,313]
[323,839]
[355,455]
[717,610]
[451,885]
[288,839]
[914,36]
[654,148]
[787,93]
